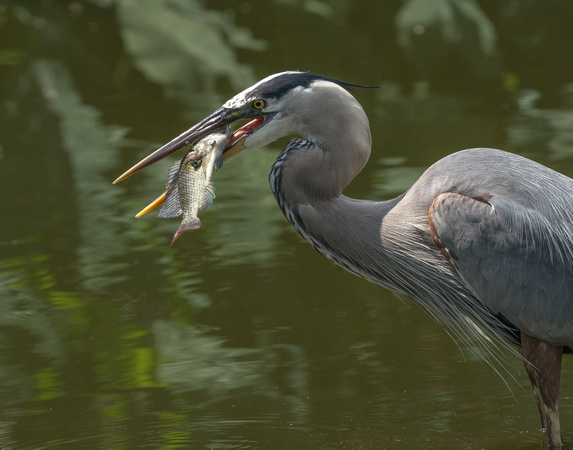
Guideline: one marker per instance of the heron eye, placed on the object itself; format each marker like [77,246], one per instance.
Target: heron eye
[258,103]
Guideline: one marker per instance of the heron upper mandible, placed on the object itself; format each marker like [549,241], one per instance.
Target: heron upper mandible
[483,240]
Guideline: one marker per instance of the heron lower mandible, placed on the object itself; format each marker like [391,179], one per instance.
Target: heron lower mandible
[483,240]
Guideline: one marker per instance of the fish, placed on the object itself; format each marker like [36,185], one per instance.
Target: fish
[188,186]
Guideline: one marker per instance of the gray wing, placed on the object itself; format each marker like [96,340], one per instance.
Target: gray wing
[517,259]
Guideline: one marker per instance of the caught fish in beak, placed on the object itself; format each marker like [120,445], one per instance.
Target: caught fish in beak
[234,146]
[236,109]
[188,187]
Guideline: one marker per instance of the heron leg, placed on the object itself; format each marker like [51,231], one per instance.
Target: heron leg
[543,365]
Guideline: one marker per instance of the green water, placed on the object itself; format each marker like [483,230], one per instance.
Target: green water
[241,335]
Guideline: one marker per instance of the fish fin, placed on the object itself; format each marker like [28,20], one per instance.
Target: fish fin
[208,197]
[193,225]
[172,206]
[172,175]
[218,161]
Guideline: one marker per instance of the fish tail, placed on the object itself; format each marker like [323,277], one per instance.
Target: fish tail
[191,225]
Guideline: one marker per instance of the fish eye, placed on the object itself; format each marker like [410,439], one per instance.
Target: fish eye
[196,163]
[258,103]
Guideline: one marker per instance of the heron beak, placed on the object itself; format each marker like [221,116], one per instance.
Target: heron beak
[218,119]
[215,121]
[154,204]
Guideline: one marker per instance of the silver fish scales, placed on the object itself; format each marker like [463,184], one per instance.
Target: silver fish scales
[188,186]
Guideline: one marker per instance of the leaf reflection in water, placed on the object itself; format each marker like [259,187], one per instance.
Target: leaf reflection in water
[534,128]
[198,53]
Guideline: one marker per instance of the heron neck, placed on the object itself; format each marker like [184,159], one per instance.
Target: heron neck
[351,232]
[335,147]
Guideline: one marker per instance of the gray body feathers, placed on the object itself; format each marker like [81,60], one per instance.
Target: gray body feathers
[507,227]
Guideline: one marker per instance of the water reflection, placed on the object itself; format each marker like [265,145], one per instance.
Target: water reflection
[241,335]
[454,30]
[202,51]
[534,127]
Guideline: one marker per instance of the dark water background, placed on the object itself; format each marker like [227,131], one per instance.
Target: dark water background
[241,335]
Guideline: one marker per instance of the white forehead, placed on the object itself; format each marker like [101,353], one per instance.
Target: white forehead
[243,97]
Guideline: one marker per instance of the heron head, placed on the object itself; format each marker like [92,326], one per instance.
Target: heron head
[277,106]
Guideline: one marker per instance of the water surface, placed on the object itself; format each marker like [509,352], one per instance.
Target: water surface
[241,335]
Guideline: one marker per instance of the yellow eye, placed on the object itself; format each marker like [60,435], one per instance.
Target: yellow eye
[258,103]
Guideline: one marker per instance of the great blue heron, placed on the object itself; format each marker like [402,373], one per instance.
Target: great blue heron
[483,240]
